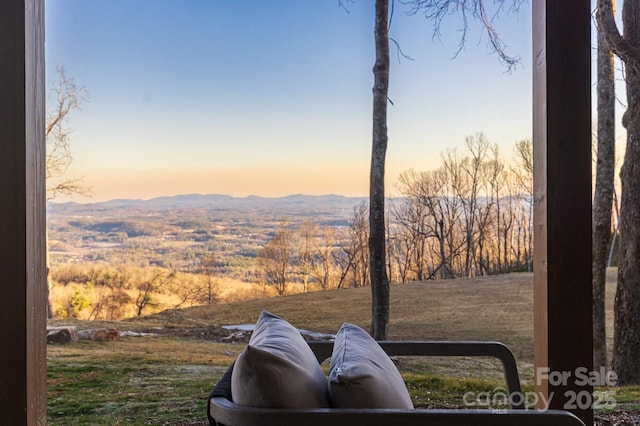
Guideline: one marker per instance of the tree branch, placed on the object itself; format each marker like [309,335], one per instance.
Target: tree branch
[625,50]
[68,97]
[437,10]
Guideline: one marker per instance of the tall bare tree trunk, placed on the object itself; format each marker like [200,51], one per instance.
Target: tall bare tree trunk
[69,97]
[379,279]
[603,196]
[626,345]
[626,339]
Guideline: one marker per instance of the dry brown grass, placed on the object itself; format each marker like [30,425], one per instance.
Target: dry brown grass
[498,307]
[167,366]
[494,307]
[479,308]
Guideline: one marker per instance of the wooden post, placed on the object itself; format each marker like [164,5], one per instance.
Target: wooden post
[562,203]
[22,214]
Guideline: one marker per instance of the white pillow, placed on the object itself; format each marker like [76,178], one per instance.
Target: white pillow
[278,369]
[362,375]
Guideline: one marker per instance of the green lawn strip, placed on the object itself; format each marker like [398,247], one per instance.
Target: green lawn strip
[432,391]
[97,394]
[624,398]
[435,391]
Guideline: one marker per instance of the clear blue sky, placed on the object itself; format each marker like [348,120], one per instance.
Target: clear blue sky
[271,97]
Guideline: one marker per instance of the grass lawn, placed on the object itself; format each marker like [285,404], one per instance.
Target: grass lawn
[165,379]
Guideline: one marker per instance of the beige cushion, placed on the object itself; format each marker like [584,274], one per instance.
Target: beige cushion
[277,369]
[362,375]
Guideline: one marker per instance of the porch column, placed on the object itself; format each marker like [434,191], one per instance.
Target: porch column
[562,202]
[22,214]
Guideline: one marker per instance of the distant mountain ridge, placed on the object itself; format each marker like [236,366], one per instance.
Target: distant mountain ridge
[297,203]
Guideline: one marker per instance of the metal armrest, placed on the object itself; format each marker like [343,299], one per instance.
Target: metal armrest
[323,350]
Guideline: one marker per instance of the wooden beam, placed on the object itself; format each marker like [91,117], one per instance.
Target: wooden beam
[562,197]
[22,214]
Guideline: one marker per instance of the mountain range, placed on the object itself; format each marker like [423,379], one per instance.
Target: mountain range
[292,204]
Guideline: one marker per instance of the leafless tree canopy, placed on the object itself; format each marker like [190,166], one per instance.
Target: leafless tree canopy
[68,98]
[465,11]
[276,259]
[471,216]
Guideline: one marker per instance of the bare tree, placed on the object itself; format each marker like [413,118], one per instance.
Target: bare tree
[470,10]
[322,262]
[422,220]
[523,171]
[626,350]
[147,287]
[344,261]
[377,250]
[410,240]
[507,224]
[306,234]
[473,168]
[111,286]
[188,289]
[68,98]
[434,10]
[458,173]
[348,253]
[477,198]
[497,182]
[356,249]
[442,215]
[603,195]
[208,292]
[275,259]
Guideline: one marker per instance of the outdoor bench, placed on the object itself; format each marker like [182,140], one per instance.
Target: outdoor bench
[222,411]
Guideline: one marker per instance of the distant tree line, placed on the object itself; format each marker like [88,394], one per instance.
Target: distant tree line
[326,257]
[471,216]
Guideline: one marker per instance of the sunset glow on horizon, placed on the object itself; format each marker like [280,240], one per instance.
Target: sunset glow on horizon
[145,184]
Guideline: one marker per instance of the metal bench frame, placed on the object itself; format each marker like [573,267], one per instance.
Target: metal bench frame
[227,413]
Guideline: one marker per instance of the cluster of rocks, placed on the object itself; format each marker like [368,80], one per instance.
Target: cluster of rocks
[226,334]
[69,334]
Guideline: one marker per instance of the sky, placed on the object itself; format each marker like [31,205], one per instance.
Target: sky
[272,98]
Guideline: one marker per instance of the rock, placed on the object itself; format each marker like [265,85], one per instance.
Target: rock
[237,337]
[138,334]
[239,327]
[316,336]
[64,334]
[247,328]
[98,334]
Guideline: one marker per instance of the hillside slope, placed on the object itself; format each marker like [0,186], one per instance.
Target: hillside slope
[498,307]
